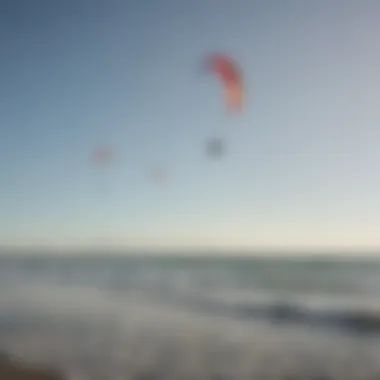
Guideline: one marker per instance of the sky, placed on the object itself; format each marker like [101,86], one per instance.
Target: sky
[302,166]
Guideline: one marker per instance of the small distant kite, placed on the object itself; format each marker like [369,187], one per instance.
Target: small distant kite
[102,156]
[215,148]
[158,175]
[231,78]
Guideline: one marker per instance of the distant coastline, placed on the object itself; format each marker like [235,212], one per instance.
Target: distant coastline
[296,254]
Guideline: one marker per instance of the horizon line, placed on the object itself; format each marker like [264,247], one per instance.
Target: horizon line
[196,251]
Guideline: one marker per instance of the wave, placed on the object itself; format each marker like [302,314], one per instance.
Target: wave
[93,333]
[346,315]
[47,299]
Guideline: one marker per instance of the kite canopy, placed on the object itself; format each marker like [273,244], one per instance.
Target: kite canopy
[102,156]
[158,175]
[231,78]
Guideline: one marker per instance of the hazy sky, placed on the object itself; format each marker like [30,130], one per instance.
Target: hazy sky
[303,162]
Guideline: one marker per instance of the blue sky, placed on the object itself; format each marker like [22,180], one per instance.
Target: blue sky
[303,161]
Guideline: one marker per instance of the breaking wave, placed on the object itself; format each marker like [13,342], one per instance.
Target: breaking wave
[110,326]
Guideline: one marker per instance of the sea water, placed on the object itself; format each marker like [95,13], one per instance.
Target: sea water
[123,317]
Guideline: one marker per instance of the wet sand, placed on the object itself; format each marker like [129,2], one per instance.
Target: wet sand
[11,369]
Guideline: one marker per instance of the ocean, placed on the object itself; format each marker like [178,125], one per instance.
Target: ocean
[122,317]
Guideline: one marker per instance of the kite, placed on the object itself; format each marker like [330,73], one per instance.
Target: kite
[231,78]
[215,148]
[102,156]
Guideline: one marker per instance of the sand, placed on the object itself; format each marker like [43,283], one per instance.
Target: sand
[12,369]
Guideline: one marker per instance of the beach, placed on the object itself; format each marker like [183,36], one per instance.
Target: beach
[11,369]
[183,319]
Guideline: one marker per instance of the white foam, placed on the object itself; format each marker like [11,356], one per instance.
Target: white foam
[128,332]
